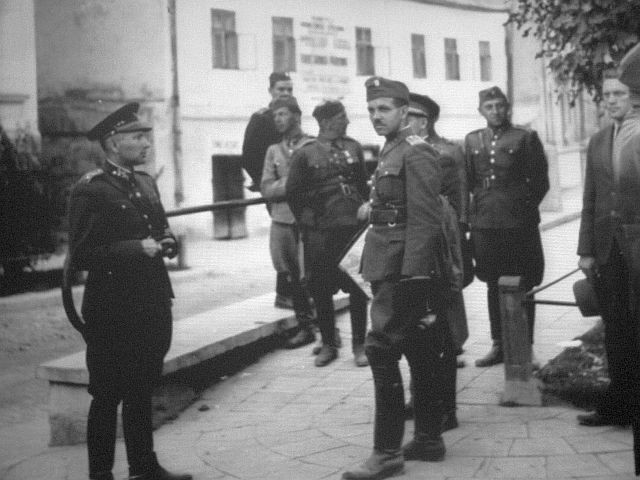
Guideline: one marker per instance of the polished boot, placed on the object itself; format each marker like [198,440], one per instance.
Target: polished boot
[379,465]
[449,421]
[336,340]
[101,476]
[327,354]
[305,336]
[359,356]
[425,448]
[150,469]
[494,357]
[596,419]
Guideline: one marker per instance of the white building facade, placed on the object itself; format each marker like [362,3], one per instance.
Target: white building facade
[227,48]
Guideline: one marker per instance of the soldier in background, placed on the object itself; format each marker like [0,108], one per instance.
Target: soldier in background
[507,178]
[261,132]
[326,186]
[421,117]
[119,233]
[284,233]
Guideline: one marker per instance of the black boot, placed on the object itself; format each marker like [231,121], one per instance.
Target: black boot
[494,357]
[425,448]
[150,469]
[379,465]
[101,476]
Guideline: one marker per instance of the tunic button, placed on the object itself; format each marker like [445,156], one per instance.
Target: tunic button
[138,194]
[493,177]
[493,160]
[150,227]
[493,152]
[123,207]
[386,172]
[145,216]
[493,142]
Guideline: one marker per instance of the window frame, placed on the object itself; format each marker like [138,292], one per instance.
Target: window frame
[224,40]
[365,53]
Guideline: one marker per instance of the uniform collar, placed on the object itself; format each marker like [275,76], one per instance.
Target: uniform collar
[119,171]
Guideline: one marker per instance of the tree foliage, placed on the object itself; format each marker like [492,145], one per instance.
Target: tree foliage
[579,39]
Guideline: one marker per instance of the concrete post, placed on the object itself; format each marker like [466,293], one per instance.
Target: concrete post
[520,388]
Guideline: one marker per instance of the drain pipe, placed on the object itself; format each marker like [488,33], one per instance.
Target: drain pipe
[176,136]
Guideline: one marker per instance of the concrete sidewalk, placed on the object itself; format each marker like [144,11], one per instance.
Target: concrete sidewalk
[282,418]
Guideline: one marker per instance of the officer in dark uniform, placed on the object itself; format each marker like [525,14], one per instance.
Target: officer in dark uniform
[507,178]
[119,234]
[402,260]
[327,184]
[422,115]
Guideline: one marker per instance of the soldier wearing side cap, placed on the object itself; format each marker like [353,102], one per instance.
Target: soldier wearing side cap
[422,116]
[327,184]
[119,234]
[402,258]
[284,233]
[507,179]
[260,133]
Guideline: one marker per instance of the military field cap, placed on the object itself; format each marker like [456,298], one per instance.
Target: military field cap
[423,105]
[586,298]
[328,109]
[278,77]
[290,102]
[123,120]
[379,87]
[491,94]
[630,69]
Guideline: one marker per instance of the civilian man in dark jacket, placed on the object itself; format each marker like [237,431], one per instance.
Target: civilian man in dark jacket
[119,233]
[327,184]
[600,251]
[507,178]
[402,259]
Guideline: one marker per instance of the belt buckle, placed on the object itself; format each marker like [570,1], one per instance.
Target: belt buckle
[393,224]
[346,189]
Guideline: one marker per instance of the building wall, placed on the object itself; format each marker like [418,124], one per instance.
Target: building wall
[216,103]
[93,57]
[18,97]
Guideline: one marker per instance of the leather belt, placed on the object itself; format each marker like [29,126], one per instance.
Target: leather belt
[388,216]
[488,182]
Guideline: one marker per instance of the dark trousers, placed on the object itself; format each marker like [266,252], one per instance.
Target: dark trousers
[620,342]
[323,251]
[508,251]
[137,427]
[396,331]
[125,353]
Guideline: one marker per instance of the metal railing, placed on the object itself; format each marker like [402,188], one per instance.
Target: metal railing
[530,294]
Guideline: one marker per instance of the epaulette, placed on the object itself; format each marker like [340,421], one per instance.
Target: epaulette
[87,177]
[347,137]
[415,140]
[142,172]
[306,141]
[262,111]
[522,127]
[476,131]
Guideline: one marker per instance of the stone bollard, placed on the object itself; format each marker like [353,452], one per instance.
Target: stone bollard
[520,388]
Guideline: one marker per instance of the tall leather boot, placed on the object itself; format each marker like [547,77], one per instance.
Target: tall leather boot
[154,471]
[495,355]
[386,460]
[428,384]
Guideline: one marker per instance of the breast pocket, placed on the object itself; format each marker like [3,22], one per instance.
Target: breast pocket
[390,184]
[124,216]
[506,156]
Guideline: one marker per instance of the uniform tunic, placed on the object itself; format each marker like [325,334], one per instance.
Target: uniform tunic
[507,178]
[127,298]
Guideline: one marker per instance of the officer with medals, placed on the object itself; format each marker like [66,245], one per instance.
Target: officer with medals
[507,178]
[422,115]
[327,184]
[402,258]
[119,233]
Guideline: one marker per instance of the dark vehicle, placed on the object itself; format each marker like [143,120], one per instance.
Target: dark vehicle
[26,213]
